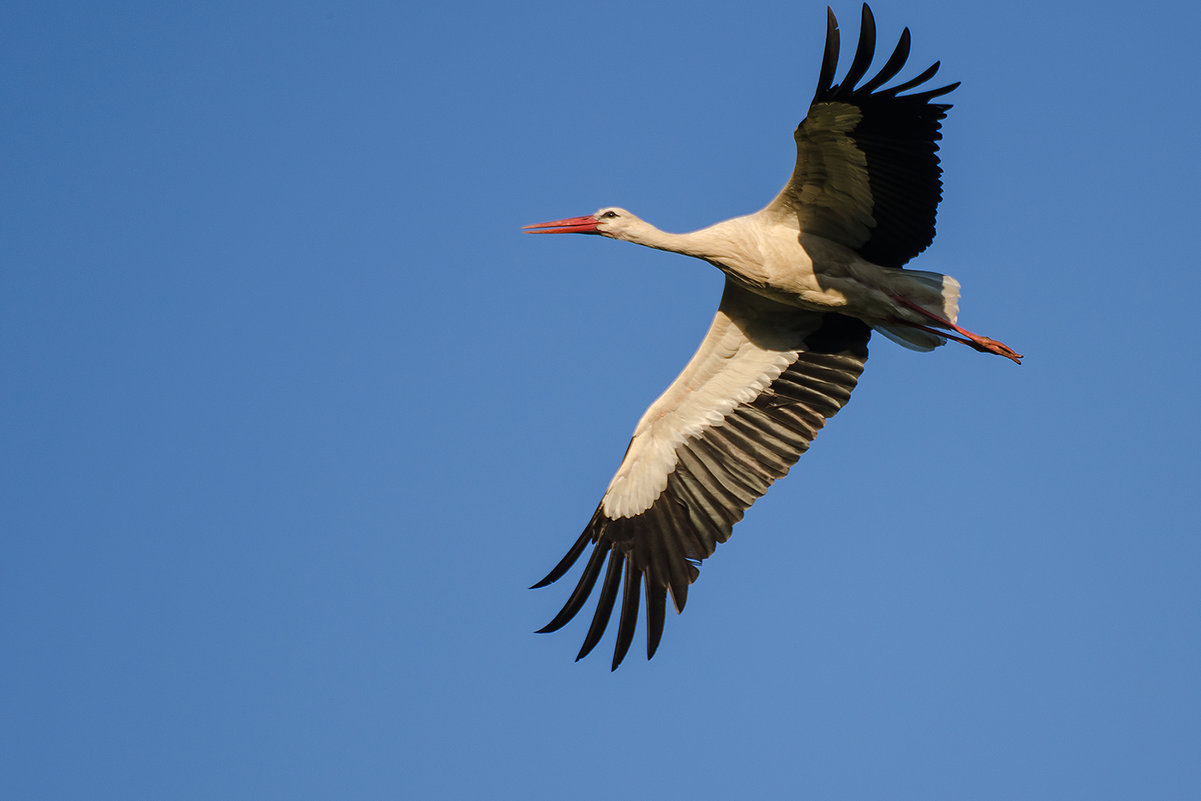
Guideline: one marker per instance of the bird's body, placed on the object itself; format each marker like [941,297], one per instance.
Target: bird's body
[770,255]
[807,279]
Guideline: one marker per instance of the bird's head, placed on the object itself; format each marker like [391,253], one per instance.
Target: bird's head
[611,221]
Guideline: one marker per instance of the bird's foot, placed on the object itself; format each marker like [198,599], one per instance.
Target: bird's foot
[986,345]
[943,327]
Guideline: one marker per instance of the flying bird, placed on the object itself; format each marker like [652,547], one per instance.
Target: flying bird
[808,278]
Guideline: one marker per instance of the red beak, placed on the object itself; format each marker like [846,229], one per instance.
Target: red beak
[572,225]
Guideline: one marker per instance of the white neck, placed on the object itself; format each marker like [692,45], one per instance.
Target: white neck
[711,244]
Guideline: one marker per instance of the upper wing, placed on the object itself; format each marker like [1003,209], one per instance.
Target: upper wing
[867,173]
[759,388]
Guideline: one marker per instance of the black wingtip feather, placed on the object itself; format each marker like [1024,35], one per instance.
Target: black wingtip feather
[629,614]
[604,604]
[830,59]
[656,611]
[930,94]
[676,579]
[925,75]
[891,67]
[864,51]
[679,595]
[567,561]
[581,592]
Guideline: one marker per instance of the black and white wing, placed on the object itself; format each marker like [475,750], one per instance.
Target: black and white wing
[867,174]
[746,406]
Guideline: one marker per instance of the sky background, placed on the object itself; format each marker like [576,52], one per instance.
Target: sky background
[292,413]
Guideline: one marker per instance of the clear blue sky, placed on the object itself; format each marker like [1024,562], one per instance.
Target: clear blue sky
[293,413]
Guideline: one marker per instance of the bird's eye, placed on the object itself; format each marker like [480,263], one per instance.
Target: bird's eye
[609,215]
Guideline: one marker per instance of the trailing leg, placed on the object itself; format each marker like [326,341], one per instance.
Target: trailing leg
[942,326]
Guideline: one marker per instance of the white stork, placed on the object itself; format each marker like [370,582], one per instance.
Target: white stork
[807,279]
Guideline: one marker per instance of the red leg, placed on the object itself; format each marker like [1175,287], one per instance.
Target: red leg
[982,344]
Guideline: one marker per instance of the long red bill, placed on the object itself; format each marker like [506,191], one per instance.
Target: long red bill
[571,225]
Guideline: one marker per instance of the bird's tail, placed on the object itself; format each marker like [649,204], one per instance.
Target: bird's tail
[935,292]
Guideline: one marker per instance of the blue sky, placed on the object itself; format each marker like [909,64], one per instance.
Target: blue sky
[293,413]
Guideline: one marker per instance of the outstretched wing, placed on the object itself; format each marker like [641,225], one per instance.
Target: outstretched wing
[747,405]
[867,173]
